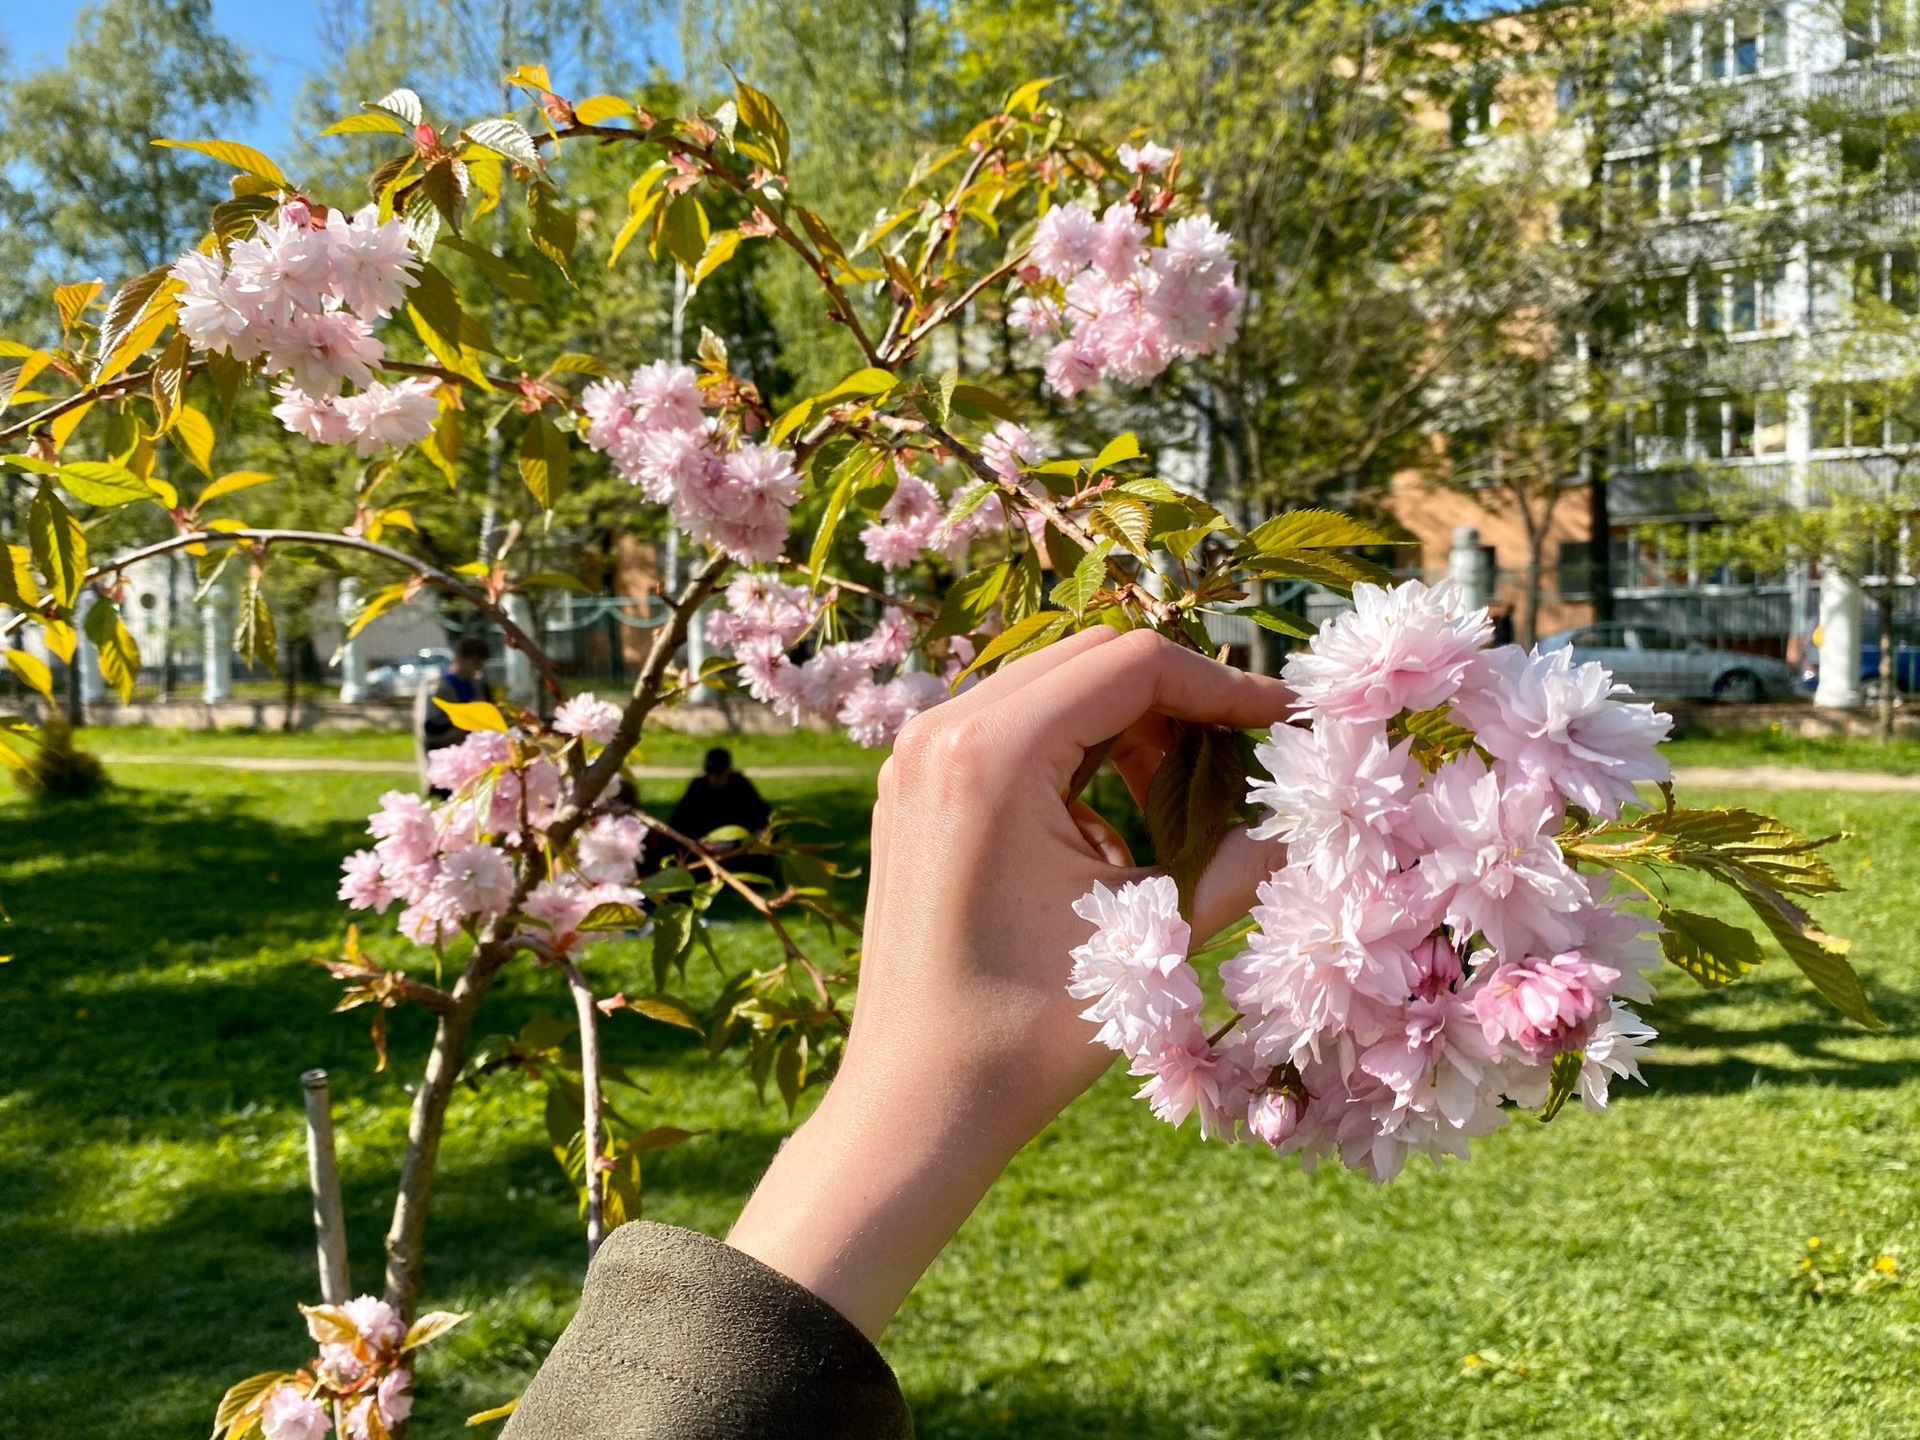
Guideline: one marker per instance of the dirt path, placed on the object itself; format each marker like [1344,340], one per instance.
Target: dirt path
[1788,777]
[281,764]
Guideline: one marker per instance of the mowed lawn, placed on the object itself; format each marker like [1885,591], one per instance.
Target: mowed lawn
[1632,1274]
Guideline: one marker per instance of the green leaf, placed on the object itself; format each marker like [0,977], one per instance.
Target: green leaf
[231,482]
[377,604]
[1021,598]
[1063,554]
[669,1010]
[760,115]
[1312,530]
[18,588]
[1026,97]
[113,642]
[253,633]
[672,936]
[1434,734]
[1822,958]
[554,228]
[229,152]
[683,230]
[31,671]
[1711,951]
[1077,590]
[844,480]
[720,247]
[371,122]
[866,382]
[510,281]
[129,303]
[596,108]
[1563,1079]
[1120,448]
[544,460]
[509,137]
[790,1069]
[445,328]
[1281,622]
[1035,632]
[979,404]
[473,715]
[101,484]
[969,601]
[1195,798]
[59,546]
[642,199]
[613,915]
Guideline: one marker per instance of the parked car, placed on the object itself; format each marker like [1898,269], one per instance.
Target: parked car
[1906,665]
[399,679]
[1657,662]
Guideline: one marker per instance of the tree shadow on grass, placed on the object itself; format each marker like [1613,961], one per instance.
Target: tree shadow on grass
[1823,1047]
[1019,1407]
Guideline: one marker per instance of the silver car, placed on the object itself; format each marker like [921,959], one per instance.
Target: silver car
[398,679]
[1657,662]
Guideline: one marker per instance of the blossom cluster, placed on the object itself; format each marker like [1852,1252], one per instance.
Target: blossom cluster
[447,863]
[363,1376]
[1426,952]
[1118,307]
[724,491]
[300,295]
[840,682]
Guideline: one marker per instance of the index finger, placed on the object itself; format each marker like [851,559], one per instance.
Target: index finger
[1101,692]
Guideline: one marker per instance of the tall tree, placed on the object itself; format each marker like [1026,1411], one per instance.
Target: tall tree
[86,187]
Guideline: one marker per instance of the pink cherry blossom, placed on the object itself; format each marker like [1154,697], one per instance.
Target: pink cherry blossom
[454,767]
[908,524]
[1405,648]
[761,605]
[1274,1116]
[475,882]
[1560,724]
[1186,1074]
[1542,1005]
[290,1415]
[319,419]
[1337,793]
[1034,316]
[1134,966]
[1613,1049]
[1066,240]
[1491,863]
[608,850]
[391,415]
[874,714]
[666,396]
[1008,448]
[1146,158]
[588,717]
[362,884]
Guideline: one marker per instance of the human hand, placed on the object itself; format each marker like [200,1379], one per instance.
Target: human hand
[965,1042]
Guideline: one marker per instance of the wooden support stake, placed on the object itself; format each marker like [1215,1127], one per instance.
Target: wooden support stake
[323,1172]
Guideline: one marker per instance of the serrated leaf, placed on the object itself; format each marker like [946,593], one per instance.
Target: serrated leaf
[1128,519]
[643,197]
[59,546]
[545,460]
[845,478]
[1434,733]
[445,328]
[1193,801]
[231,152]
[254,637]
[473,715]
[1563,1079]
[509,137]
[1281,622]
[720,248]
[760,115]
[969,600]
[129,303]
[70,302]
[18,588]
[979,404]
[1021,597]
[683,231]
[1312,530]
[1711,951]
[133,344]
[1063,554]
[1822,958]
[101,484]
[1077,590]
[402,103]
[31,671]
[1323,567]
[244,1398]
[1033,633]
[554,228]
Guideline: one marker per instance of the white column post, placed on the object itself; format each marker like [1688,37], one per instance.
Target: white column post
[93,686]
[697,654]
[519,664]
[216,640]
[1839,687]
[1468,567]
[353,654]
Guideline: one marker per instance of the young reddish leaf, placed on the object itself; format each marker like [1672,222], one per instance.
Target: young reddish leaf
[1194,800]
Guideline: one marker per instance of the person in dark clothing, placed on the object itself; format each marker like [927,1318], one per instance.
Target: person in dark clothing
[719,796]
[965,1044]
[462,682]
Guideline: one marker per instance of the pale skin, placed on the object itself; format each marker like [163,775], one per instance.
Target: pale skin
[965,1043]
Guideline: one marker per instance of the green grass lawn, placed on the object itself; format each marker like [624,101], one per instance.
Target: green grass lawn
[1899,756]
[1626,1275]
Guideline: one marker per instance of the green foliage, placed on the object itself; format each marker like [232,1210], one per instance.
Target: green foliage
[56,768]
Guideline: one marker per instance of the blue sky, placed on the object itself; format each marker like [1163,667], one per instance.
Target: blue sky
[279,36]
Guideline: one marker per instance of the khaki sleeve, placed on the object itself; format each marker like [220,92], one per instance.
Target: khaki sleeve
[681,1336]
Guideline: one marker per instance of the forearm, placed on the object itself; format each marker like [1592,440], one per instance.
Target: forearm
[857,1204]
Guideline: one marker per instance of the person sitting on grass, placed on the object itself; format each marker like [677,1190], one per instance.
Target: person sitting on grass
[718,798]
[462,682]
[965,1044]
